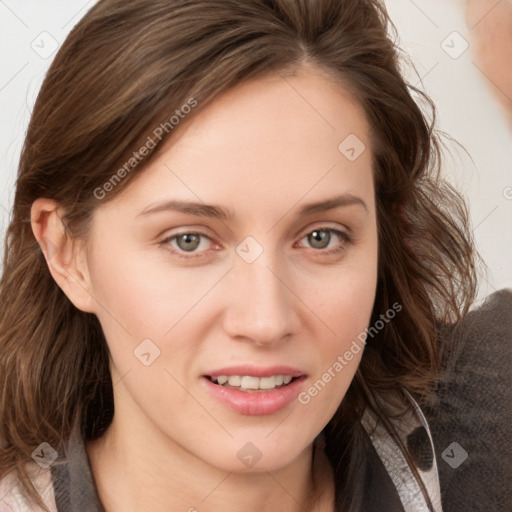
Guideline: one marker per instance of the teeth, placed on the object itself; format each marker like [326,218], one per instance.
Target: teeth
[267,382]
[249,382]
[234,380]
[222,379]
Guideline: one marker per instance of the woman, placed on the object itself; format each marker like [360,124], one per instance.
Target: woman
[282,360]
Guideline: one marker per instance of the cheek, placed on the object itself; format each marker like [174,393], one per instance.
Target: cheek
[345,301]
[146,296]
[343,312]
[150,308]
[148,315]
[348,305]
[347,313]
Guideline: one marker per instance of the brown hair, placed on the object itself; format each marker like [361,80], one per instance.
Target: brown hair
[126,67]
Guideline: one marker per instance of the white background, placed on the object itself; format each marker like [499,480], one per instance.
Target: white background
[466,108]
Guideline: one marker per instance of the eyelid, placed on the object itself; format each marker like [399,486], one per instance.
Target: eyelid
[324,227]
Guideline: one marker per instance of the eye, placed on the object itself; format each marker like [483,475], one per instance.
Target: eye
[321,238]
[188,242]
[192,244]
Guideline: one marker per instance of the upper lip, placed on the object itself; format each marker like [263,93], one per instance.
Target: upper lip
[257,371]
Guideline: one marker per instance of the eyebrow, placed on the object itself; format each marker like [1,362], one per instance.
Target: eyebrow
[208,210]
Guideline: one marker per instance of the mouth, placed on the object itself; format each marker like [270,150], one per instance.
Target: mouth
[252,384]
[255,391]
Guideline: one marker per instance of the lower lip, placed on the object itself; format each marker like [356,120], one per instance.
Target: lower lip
[255,403]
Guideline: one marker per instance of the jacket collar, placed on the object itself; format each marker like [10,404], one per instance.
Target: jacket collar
[414,434]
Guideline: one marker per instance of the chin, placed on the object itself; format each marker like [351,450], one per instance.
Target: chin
[257,453]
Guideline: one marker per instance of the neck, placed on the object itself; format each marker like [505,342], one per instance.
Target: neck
[135,471]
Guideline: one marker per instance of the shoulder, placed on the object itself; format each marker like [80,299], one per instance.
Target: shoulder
[470,413]
[12,497]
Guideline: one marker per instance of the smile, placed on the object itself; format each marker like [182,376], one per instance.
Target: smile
[252,384]
[255,391]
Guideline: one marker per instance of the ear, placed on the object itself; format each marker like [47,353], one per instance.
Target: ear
[65,256]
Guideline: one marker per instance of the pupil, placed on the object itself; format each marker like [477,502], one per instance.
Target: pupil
[319,239]
[188,242]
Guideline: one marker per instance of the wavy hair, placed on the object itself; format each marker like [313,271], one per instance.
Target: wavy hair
[125,67]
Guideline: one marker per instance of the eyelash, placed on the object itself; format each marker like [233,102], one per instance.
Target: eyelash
[346,237]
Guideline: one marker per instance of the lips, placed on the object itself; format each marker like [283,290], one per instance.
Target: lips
[255,390]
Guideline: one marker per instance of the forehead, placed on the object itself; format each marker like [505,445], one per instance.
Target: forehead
[279,137]
[294,110]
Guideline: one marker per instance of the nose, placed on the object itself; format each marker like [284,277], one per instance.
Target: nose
[262,307]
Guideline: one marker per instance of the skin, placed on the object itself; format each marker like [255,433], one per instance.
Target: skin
[490,24]
[263,152]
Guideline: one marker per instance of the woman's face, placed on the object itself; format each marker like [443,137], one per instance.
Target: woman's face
[247,252]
